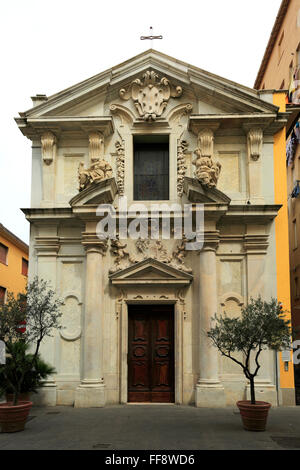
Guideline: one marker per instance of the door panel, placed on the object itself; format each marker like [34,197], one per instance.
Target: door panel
[151,354]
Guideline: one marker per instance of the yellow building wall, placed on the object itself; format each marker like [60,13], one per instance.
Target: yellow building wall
[11,276]
[283,54]
[282,234]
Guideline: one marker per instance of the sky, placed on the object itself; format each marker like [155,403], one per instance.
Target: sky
[47,46]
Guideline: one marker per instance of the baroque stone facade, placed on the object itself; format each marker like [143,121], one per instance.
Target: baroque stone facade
[84,144]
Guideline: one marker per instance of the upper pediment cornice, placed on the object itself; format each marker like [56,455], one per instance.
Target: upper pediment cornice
[198,82]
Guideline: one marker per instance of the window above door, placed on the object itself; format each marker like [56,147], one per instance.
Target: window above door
[151,167]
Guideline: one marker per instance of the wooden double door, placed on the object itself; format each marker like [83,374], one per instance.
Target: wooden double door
[151,353]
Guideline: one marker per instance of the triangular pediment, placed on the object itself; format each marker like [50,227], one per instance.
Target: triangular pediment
[196,192]
[91,97]
[150,271]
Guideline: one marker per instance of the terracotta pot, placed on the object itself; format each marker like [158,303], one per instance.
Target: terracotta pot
[13,418]
[254,417]
[22,397]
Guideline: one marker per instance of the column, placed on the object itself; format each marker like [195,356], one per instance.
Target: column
[209,390]
[91,392]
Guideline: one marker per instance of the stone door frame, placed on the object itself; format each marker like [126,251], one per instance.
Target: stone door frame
[179,313]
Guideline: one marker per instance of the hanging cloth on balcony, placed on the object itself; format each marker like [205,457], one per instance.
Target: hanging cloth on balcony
[291,148]
[296,191]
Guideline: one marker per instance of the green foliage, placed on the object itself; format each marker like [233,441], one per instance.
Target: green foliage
[34,376]
[261,326]
[41,312]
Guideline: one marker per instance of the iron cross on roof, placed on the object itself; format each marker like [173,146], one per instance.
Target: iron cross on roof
[151,37]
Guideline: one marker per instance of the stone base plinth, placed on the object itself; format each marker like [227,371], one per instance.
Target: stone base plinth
[210,396]
[264,392]
[90,397]
[46,396]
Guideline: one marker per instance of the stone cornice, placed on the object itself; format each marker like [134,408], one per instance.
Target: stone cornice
[269,122]
[256,244]
[35,127]
[250,214]
[48,214]
[47,246]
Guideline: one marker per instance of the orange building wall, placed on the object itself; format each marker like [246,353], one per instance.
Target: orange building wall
[281,232]
[11,276]
[281,57]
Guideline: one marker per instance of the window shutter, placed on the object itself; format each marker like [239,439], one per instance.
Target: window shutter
[3,253]
[24,267]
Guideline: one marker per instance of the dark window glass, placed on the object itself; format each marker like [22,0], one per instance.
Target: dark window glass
[151,171]
[3,253]
[24,267]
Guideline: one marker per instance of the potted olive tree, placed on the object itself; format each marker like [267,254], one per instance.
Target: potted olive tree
[21,324]
[260,326]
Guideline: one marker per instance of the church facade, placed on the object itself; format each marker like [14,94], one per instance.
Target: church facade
[151,142]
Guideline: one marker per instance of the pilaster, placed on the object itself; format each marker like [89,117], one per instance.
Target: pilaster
[254,146]
[91,392]
[209,390]
[49,143]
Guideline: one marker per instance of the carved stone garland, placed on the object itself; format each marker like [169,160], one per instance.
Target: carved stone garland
[181,165]
[120,166]
[207,171]
[150,95]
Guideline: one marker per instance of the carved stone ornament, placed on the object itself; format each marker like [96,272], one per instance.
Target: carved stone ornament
[99,170]
[179,257]
[118,250]
[207,171]
[48,141]
[120,166]
[149,249]
[150,95]
[181,165]
[255,141]
[96,146]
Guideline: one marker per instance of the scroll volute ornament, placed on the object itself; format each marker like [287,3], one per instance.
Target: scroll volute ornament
[207,171]
[96,146]
[150,95]
[48,141]
[255,141]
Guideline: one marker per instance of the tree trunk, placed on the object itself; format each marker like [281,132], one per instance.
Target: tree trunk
[252,390]
[15,398]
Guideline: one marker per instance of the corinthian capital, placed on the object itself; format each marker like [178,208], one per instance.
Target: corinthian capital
[48,141]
